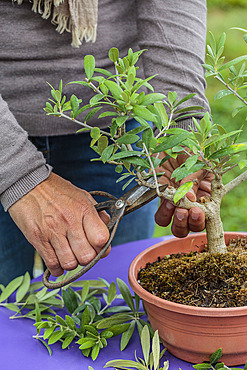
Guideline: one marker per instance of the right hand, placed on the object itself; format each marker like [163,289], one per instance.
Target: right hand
[60,221]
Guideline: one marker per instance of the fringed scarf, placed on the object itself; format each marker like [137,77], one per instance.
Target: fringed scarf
[77,16]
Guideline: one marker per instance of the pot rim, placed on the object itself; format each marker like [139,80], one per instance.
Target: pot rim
[178,307]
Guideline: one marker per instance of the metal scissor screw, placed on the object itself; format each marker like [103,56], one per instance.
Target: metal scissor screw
[119,204]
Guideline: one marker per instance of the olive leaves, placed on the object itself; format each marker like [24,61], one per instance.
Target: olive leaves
[120,97]
[151,359]
[91,318]
[214,363]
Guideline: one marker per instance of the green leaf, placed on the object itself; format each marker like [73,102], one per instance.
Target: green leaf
[95,133]
[113,54]
[242,163]
[153,98]
[221,93]
[89,65]
[74,103]
[145,343]
[37,312]
[107,152]
[143,112]
[85,319]
[116,319]
[138,161]
[216,356]
[10,288]
[128,139]
[70,299]
[85,291]
[95,351]
[191,161]
[12,307]
[128,182]
[182,172]
[118,329]
[92,113]
[70,322]
[96,98]
[182,190]
[67,341]
[124,290]
[55,336]
[171,141]
[120,120]
[48,332]
[233,62]
[220,365]
[156,349]
[125,154]
[126,336]
[121,364]
[107,114]
[23,288]
[119,168]
[88,344]
[46,346]
[231,149]
[189,109]
[203,366]
[114,88]
[112,291]
[103,71]
[172,96]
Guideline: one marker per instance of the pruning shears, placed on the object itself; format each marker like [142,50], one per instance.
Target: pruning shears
[118,207]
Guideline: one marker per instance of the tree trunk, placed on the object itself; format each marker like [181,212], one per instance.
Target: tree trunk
[214,230]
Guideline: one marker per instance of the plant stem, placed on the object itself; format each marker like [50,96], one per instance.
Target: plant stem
[82,123]
[230,89]
[153,170]
[235,182]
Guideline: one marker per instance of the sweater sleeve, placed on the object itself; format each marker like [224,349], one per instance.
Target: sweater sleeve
[22,166]
[174,34]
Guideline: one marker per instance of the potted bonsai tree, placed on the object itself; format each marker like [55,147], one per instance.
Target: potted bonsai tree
[207,146]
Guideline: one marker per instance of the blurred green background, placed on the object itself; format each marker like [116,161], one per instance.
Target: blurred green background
[222,16]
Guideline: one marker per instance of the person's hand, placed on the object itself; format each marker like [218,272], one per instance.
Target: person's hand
[183,220]
[60,221]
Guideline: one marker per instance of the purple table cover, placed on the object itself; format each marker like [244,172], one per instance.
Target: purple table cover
[19,351]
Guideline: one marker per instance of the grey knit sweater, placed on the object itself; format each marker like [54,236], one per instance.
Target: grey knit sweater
[32,52]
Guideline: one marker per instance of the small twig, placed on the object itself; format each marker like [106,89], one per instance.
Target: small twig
[230,89]
[153,169]
[229,169]
[207,163]
[235,182]
[82,123]
[166,127]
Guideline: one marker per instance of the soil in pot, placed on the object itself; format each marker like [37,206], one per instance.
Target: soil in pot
[200,279]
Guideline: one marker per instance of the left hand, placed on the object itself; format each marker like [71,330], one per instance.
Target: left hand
[184,220]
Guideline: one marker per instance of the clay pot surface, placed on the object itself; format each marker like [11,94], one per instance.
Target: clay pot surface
[192,333]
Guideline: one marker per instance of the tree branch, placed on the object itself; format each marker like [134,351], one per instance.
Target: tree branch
[235,182]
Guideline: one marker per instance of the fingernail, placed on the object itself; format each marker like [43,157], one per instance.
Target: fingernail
[181,215]
[195,216]
[169,205]
[191,195]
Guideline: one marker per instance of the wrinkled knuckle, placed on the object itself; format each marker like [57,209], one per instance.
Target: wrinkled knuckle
[53,264]
[34,235]
[101,240]
[69,265]
[86,259]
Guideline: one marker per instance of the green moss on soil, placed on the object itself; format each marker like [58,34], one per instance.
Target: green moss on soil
[200,279]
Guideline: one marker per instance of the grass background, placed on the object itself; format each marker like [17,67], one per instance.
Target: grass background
[222,16]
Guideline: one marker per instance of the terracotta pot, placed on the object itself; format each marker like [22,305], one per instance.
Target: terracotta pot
[192,333]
